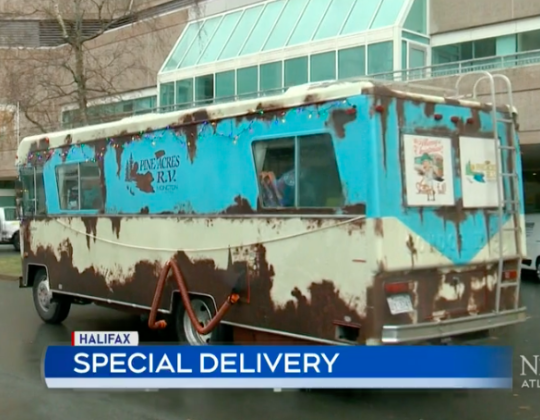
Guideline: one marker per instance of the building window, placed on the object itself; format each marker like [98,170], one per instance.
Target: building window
[351,62]
[184,93]
[247,81]
[225,85]
[315,182]
[166,96]
[528,41]
[33,192]
[204,88]
[322,67]
[79,186]
[270,76]
[296,71]
[485,47]
[380,57]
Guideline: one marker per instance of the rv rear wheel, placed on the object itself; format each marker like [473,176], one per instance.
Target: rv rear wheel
[204,311]
[51,310]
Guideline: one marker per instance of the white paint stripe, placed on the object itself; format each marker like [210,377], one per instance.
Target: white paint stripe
[284,383]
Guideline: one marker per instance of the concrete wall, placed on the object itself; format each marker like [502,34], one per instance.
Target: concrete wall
[446,16]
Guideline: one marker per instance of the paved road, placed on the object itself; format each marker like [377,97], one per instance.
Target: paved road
[23,396]
[6,250]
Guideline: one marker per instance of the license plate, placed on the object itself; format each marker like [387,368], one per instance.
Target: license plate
[400,304]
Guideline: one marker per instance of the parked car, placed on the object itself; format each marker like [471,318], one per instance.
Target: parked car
[9,225]
[532,227]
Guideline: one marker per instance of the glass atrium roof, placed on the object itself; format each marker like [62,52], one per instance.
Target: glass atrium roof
[277,24]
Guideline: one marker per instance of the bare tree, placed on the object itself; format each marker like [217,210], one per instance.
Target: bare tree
[90,61]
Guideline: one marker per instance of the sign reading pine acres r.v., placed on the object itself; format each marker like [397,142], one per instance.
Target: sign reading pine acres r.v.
[156,173]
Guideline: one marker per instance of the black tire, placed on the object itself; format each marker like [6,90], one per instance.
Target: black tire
[537,272]
[221,335]
[16,240]
[59,307]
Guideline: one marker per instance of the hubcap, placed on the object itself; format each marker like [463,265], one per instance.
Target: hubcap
[203,315]
[44,295]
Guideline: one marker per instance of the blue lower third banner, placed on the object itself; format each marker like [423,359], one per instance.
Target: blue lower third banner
[219,367]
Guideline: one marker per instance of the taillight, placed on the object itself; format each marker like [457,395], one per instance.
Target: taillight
[396,287]
[510,275]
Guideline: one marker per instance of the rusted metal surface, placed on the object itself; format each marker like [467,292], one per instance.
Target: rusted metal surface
[307,309]
[170,266]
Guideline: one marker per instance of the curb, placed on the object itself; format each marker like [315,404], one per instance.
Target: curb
[5,277]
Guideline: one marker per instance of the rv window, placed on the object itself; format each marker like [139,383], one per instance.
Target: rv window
[314,183]
[79,186]
[33,192]
[90,186]
[67,177]
[41,205]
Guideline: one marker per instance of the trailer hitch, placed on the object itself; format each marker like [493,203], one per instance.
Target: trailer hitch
[158,294]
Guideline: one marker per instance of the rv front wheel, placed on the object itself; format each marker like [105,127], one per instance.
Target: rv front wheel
[51,310]
[204,312]
[16,240]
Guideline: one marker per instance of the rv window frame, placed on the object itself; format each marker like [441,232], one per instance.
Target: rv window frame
[25,212]
[79,210]
[268,140]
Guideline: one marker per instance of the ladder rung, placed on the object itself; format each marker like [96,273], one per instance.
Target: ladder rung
[511,202]
[508,174]
[510,284]
[512,148]
[505,120]
[512,229]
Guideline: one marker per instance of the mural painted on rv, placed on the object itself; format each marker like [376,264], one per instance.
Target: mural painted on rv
[315,273]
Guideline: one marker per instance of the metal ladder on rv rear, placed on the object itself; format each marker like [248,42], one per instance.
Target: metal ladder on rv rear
[508,204]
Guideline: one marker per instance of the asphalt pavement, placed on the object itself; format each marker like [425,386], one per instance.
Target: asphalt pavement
[23,396]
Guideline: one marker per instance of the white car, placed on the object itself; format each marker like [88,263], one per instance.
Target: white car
[532,227]
[9,227]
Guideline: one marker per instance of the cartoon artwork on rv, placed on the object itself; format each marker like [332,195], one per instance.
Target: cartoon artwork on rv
[331,213]
[429,170]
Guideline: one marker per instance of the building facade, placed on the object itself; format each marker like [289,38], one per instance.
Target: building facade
[226,50]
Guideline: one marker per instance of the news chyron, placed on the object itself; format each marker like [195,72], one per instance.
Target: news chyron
[100,338]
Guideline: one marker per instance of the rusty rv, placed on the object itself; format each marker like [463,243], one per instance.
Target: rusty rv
[351,212]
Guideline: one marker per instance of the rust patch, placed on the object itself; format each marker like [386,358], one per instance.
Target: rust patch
[39,145]
[358,208]
[383,97]
[379,230]
[118,151]
[116,223]
[142,181]
[68,139]
[159,154]
[455,215]
[188,126]
[240,206]
[339,118]
[145,210]
[429,283]
[429,109]
[412,249]
[310,98]
[90,224]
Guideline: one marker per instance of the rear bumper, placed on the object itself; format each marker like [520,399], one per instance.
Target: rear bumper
[396,334]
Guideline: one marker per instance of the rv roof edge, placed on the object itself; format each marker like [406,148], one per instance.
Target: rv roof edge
[292,97]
